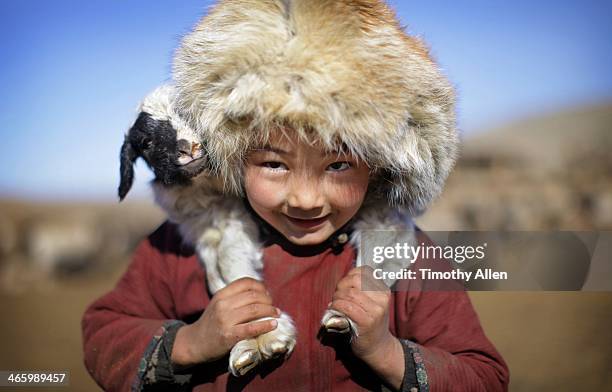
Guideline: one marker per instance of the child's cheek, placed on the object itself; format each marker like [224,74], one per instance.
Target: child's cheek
[349,194]
[261,191]
[353,194]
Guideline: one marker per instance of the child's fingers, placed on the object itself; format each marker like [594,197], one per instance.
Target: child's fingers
[253,329]
[379,296]
[347,283]
[352,280]
[240,285]
[244,298]
[251,312]
[360,272]
[367,303]
[363,274]
[355,271]
[352,310]
[362,277]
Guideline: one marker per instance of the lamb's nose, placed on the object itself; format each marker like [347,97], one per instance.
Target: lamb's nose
[184,147]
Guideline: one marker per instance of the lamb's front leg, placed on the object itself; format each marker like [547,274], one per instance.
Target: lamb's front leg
[226,262]
[214,252]
[398,228]
[239,256]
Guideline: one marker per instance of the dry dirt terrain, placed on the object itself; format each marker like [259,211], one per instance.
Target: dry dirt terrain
[547,173]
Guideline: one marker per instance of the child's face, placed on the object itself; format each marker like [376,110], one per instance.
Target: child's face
[303,191]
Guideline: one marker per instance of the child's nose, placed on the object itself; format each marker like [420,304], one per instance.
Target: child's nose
[305,195]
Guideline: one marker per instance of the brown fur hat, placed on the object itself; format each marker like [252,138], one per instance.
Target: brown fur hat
[341,70]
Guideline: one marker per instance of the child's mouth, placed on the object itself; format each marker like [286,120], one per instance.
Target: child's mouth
[307,223]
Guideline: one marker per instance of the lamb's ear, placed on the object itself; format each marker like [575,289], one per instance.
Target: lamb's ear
[127,158]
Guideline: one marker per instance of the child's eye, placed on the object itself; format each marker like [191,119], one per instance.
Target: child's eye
[339,166]
[273,165]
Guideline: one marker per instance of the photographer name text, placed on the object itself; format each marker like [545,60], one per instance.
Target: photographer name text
[428,274]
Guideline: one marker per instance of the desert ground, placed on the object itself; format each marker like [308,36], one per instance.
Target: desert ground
[547,173]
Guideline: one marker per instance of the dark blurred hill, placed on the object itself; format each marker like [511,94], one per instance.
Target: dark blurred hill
[549,172]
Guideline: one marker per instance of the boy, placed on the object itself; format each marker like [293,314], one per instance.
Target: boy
[308,109]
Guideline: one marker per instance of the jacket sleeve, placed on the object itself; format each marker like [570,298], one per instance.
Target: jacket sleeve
[449,348]
[123,329]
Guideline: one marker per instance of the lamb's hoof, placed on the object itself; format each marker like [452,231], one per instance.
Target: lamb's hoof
[273,347]
[246,361]
[244,356]
[336,322]
[278,349]
[279,342]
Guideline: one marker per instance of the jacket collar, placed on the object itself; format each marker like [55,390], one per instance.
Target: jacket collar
[270,236]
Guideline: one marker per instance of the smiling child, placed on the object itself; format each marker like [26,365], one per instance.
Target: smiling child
[309,111]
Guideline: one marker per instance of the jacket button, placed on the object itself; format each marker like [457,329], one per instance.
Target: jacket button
[342,238]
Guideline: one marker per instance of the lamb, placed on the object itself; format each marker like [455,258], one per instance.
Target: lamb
[218,225]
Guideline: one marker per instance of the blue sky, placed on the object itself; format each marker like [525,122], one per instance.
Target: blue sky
[73,72]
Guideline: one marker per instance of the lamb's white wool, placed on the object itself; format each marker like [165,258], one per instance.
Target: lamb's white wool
[385,227]
[160,105]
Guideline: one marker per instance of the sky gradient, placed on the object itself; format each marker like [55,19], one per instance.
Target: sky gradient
[73,72]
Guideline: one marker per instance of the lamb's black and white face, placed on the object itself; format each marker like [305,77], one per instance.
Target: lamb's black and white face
[174,162]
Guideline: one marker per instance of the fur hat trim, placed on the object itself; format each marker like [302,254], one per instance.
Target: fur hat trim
[341,70]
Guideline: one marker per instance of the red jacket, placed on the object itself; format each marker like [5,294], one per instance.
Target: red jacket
[165,281]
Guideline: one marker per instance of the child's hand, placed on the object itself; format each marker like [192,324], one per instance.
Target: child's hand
[225,322]
[375,345]
[368,309]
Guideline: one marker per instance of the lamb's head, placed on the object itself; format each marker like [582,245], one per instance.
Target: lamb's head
[168,146]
